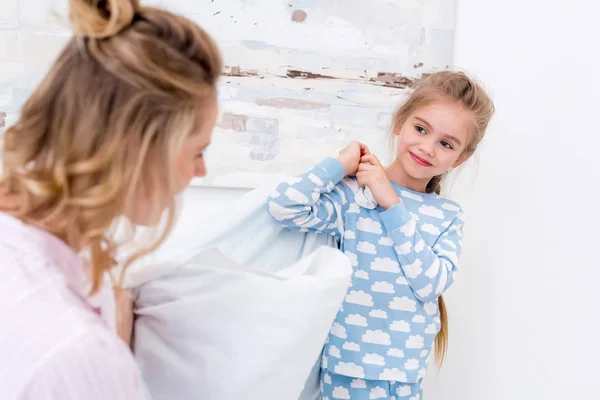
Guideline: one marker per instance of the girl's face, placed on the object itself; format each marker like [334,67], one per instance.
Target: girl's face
[190,164]
[434,139]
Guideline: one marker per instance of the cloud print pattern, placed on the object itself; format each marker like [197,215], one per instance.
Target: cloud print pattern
[404,258]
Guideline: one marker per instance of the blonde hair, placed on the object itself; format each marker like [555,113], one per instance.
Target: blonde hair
[105,125]
[459,87]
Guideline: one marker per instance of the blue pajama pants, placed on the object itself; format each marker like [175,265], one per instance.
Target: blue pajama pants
[336,387]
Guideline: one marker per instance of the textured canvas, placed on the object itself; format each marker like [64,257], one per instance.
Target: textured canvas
[302,78]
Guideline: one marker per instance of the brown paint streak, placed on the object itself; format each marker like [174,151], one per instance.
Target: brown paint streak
[293,73]
[393,80]
[235,122]
[385,79]
[295,104]
[237,71]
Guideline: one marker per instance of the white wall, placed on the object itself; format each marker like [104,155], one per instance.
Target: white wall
[524,313]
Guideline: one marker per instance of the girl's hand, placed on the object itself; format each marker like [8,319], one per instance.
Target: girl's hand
[124,312]
[350,157]
[372,175]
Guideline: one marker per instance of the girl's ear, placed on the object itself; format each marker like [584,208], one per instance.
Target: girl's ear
[463,157]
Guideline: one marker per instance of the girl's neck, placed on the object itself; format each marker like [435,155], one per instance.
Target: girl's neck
[396,174]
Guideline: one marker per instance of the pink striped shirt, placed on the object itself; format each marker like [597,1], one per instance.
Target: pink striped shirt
[55,343]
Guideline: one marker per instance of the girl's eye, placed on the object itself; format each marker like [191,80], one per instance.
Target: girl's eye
[420,129]
[446,144]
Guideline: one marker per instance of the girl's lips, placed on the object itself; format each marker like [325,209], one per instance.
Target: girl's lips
[420,161]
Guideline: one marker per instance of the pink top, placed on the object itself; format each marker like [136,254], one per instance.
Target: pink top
[55,342]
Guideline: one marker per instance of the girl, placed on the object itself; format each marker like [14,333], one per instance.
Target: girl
[116,128]
[404,244]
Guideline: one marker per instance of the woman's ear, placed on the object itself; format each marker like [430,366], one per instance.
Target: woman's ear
[463,157]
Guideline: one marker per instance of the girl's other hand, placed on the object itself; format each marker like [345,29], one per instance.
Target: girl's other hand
[350,157]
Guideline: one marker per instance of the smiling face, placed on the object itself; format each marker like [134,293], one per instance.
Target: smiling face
[433,139]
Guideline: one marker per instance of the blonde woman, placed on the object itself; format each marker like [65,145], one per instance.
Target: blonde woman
[117,128]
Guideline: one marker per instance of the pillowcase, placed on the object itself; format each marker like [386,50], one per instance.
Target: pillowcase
[216,329]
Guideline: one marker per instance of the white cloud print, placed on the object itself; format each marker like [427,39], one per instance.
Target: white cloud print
[419,318]
[334,352]
[281,213]
[403,391]
[386,241]
[383,287]
[450,243]
[400,326]
[296,196]
[375,359]
[353,258]
[341,393]
[409,228]
[393,374]
[431,329]
[329,208]
[349,235]
[378,393]
[385,265]
[419,246]
[412,363]
[395,353]
[426,291]
[316,196]
[404,248]
[351,346]
[378,314]
[355,319]
[349,369]
[358,384]
[432,211]
[431,229]
[401,281]
[433,270]
[366,247]
[369,225]
[415,342]
[430,308]
[292,180]
[377,337]
[359,297]
[316,180]
[338,330]
[412,196]
[361,274]
[403,304]
[353,208]
[413,270]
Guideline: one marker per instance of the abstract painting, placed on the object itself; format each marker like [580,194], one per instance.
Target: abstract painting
[302,78]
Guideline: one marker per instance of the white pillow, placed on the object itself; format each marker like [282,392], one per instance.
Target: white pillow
[215,330]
